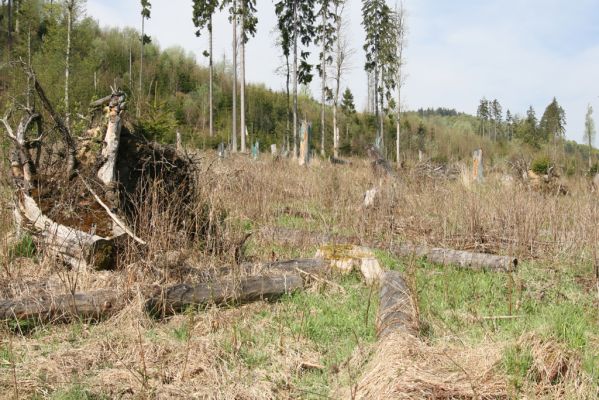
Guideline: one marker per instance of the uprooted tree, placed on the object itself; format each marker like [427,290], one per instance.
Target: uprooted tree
[82,195]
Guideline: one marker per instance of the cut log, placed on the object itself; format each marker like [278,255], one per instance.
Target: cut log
[180,297]
[92,305]
[464,259]
[74,247]
[396,308]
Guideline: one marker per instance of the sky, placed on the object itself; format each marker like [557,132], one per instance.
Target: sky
[521,52]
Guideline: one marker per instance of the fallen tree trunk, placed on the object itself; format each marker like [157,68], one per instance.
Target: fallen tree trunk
[316,266]
[69,245]
[464,259]
[234,291]
[396,308]
[92,305]
[460,258]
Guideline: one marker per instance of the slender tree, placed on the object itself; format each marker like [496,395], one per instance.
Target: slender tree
[483,113]
[70,8]
[203,12]
[378,22]
[496,114]
[340,65]
[233,18]
[589,133]
[325,37]
[145,39]
[249,21]
[296,24]
[348,108]
[400,30]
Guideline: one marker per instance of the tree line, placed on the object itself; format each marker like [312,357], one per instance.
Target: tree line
[78,62]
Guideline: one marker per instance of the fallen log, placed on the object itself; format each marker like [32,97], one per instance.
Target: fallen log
[87,306]
[464,259]
[396,309]
[234,291]
[460,258]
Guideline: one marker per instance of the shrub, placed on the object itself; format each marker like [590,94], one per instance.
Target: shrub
[541,165]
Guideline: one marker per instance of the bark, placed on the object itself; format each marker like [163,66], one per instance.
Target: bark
[71,246]
[110,149]
[396,308]
[295,133]
[464,259]
[314,266]
[234,126]
[180,297]
[242,83]
[92,305]
[67,71]
[211,72]
[323,86]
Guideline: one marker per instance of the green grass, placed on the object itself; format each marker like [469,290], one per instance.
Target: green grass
[76,392]
[548,302]
[23,248]
[330,324]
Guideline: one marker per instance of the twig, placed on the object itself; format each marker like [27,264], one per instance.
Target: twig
[112,215]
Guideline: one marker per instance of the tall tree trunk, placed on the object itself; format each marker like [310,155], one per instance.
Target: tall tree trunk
[210,61]
[287,81]
[335,132]
[382,117]
[67,71]
[130,67]
[17,13]
[242,83]
[398,124]
[141,68]
[9,27]
[29,89]
[376,105]
[295,33]
[234,127]
[323,66]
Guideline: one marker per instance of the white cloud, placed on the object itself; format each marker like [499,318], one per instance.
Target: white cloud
[520,52]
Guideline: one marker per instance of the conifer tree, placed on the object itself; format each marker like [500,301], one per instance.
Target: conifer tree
[203,12]
[296,23]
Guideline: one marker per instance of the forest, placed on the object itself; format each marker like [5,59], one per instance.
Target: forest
[170,230]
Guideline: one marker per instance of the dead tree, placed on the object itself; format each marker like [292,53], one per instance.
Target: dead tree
[80,208]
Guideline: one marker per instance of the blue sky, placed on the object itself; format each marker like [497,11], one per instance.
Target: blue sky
[522,52]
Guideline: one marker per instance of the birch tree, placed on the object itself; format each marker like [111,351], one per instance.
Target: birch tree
[296,24]
[378,23]
[70,8]
[340,66]
[249,21]
[400,31]
[325,37]
[203,12]
[589,132]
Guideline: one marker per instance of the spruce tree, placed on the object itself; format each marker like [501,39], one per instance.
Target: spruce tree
[203,12]
[296,24]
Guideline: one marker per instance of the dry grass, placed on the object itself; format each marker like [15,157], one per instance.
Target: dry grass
[203,355]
